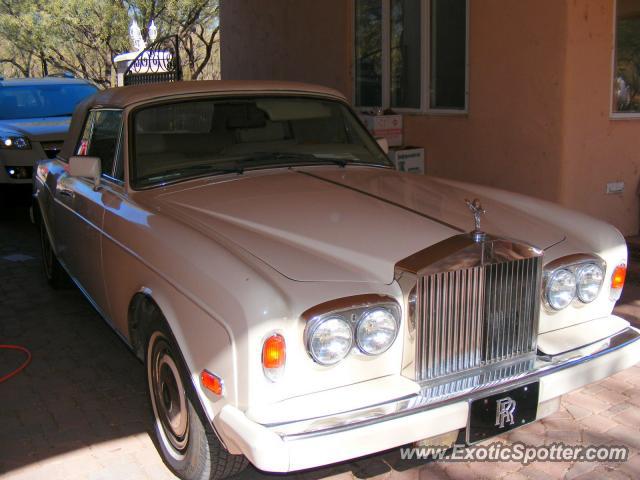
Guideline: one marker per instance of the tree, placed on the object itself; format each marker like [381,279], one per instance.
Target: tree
[83,36]
[196,24]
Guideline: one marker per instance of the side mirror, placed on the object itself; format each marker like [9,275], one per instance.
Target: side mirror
[86,167]
[384,144]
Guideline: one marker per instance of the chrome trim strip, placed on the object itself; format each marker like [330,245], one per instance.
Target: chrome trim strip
[382,199]
[574,260]
[462,252]
[347,303]
[422,401]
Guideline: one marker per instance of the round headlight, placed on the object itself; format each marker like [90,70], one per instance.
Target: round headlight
[561,289]
[376,331]
[330,340]
[589,279]
[20,143]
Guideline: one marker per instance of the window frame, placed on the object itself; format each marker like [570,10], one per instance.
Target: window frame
[117,155]
[613,114]
[425,59]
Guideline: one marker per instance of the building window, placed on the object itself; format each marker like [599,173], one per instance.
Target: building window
[411,54]
[405,54]
[626,82]
[368,44]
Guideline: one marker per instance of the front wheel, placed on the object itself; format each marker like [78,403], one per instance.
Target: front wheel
[186,441]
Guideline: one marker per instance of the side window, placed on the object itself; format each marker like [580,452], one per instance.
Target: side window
[101,137]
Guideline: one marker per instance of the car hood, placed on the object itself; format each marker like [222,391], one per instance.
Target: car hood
[341,224]
[37,128]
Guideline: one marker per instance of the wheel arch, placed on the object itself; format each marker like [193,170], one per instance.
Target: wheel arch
[144,310]
[148,306]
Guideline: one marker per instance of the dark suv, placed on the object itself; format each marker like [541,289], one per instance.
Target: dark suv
[34,120]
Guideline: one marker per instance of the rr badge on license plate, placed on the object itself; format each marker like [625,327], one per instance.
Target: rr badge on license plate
[502,412]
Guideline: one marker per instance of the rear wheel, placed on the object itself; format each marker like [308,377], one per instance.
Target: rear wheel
[184,437]
[53,271]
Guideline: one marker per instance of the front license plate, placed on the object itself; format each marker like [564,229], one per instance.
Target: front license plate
[490,416]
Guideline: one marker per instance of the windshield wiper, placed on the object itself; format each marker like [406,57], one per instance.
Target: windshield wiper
[192,169]
[302,159]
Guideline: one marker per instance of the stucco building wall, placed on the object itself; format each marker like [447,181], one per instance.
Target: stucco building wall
[296,40]
[597,149]
[540,93]
[511,136]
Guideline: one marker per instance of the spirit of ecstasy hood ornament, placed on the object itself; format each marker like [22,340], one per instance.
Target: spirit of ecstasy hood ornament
[476,208]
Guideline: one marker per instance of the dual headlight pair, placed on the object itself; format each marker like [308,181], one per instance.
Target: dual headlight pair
[369,330]
[582,280]
[14,143]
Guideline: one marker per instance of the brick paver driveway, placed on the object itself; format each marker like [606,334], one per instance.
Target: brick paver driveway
[79,410]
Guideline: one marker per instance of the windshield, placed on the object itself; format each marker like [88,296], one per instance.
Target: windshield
[36,101]
[207,137]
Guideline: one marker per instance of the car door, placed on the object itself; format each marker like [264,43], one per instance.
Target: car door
[80,206]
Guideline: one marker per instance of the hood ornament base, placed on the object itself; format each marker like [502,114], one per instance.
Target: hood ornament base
[476,208]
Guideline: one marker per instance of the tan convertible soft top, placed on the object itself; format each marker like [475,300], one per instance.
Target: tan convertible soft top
[122,97]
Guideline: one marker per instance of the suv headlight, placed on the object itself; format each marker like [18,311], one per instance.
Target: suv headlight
[365,324]
[575,276]
[14,142]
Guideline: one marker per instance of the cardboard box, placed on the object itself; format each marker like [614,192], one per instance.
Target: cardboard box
[408,159]
[385,126]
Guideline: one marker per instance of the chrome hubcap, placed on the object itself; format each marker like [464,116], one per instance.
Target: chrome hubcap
[168,395]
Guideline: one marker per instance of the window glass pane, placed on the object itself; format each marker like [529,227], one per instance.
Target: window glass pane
[405,53]
[104,138]
[448,54]
[368,45]
[626,91]
[35,101]
[187,139]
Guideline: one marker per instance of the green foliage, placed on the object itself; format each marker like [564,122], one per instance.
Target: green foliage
[628,60]
[83,36]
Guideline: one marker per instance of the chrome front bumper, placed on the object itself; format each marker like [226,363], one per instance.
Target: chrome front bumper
[434,410]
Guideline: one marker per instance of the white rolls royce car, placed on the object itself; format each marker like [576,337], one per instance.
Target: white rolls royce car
[299,302]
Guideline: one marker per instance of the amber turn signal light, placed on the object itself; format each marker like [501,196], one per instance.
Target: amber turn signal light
[274,356]
[617,281]
[274,352]
[212,382]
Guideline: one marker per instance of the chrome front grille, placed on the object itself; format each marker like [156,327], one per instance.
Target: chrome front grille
[476,316]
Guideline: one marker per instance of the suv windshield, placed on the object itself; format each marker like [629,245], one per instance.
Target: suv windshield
[37,101]
[205,137]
